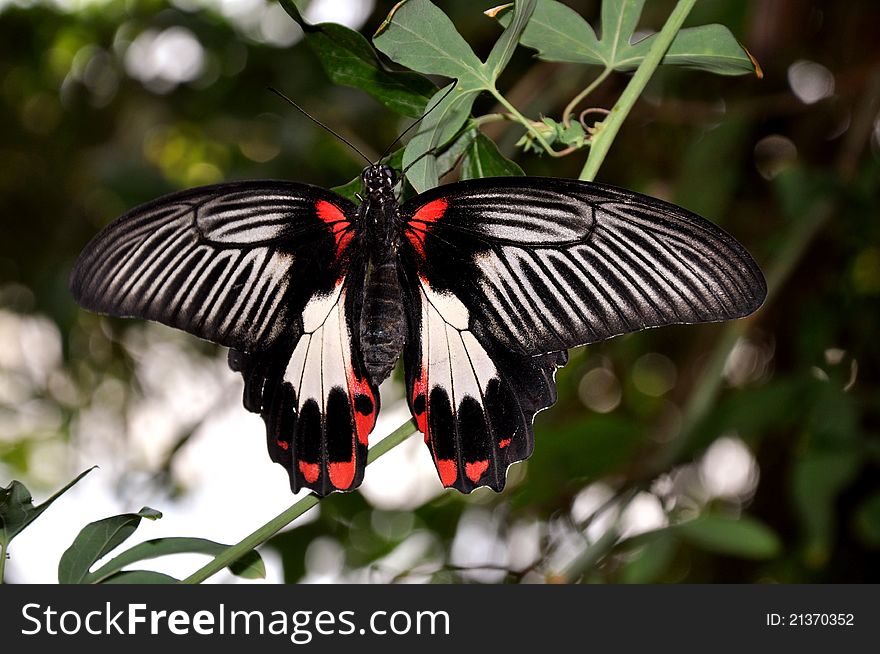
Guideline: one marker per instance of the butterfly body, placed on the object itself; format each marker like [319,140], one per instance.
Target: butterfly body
[480,285]
[381,321]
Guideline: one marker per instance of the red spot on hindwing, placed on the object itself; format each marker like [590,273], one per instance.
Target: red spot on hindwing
[504,443]
[284,445]
[419,404]
[361,397]
[448,471]
[337,222]
[310,471]
[426,215]
[476,469]
[341,473]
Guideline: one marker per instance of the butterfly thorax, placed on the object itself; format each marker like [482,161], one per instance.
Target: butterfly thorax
[382,319]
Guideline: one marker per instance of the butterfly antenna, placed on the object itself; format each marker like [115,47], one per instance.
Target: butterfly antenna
[424,115]
[319,123]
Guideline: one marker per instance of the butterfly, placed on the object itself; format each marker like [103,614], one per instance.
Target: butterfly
[481,285]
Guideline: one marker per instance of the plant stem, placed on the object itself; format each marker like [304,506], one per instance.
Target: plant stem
[490,118]
[525,122]
[284,518]
[608,128]
[576,100]
[2,560]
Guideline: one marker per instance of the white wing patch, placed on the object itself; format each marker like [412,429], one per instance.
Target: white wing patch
[453,358]
[323,353]
[454,367]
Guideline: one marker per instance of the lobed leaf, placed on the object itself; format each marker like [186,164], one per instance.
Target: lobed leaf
[559,33]
[418,35]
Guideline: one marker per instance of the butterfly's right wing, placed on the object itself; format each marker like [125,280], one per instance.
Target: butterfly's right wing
[231,263]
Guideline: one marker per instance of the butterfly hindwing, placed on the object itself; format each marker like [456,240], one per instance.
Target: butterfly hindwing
[219,261]
[473,403]
[312,392]
[547,264]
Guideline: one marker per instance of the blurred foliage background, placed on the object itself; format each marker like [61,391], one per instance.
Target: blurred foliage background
[724,453]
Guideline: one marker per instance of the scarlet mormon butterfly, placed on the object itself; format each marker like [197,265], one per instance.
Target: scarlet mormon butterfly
[482,285]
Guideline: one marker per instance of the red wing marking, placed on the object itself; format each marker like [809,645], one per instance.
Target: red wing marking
[448,471]
[420,403]
[342,473]
[310,471]
[337,222]
[432,211]
[284,445]
[476,469]
[363,404]
[504,443]
[427,214]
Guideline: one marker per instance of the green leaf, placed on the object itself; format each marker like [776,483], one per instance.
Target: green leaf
[438,127]
[449,158]
[141,577]
[619,21]
[418,35]
[559,33]
[97,539]
[503,49]
[17,509]
[484,160]
[653,559]
[743,537]
[249,566]
[349,60]
[712,48]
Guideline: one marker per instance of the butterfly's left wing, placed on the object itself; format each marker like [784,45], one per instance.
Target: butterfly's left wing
[506,273]
[263,267]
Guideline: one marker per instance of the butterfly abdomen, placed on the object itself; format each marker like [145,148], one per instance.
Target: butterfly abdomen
[382,323]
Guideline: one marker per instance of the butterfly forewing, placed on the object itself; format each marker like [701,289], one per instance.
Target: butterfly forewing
[216,261]
[547,264]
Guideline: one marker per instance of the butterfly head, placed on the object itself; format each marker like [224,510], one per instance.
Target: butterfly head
[378,179]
